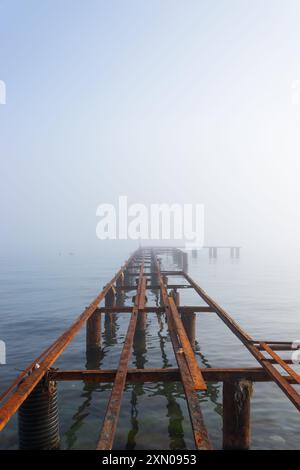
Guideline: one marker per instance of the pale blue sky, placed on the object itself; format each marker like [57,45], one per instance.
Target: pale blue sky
[161,100]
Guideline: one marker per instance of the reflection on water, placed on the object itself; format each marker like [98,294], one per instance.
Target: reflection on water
[153,415]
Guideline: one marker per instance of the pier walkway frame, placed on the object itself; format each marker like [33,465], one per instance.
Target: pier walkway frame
[140,273]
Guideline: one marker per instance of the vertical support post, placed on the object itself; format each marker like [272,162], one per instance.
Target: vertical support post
[127,278]
[194,253]
[120,280]
[210,252]
[237,252]
[215,252]
[93,341]
[93,331]
[110,298]
[236,415]
[184,261]
[141,322]
[177,257]
[120,294]
[165,281]
[189,322]
[154,278]
[38,423]
[176,296]
[109,323]
[232,252]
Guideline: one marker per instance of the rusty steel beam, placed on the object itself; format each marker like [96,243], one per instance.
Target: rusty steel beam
[187,348]
[25,383]
[109,426]
[246,339]
[214,374]
[200,434]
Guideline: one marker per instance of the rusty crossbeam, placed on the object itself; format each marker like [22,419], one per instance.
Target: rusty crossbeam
[114,405]
[181,309]
[213,374]
[275,345]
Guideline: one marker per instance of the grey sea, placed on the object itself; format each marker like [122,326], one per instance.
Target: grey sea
[39,299]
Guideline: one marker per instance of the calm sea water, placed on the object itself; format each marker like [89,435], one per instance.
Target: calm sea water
[39,299]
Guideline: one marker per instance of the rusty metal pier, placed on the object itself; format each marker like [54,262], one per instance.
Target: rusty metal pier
[142,272]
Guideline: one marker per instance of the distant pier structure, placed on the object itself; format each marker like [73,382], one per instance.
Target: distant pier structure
[213,251]
[233,250]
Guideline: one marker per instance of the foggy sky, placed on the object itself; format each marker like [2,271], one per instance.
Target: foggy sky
[164,101]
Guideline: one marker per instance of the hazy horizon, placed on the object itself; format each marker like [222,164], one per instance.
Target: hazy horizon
[162,101]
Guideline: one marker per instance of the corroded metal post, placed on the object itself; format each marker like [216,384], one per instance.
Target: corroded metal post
[189,322]
[176,297]
[109,323]
[141,319]
[93,331]
[120,294]
[188,319]
[120,280]
[110,298]
[127,277]
[141,322]
[236,415]
[38,422]
[176,256]
[165,282]
[140,332]
[154,277]
[184,261]
[93,340]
